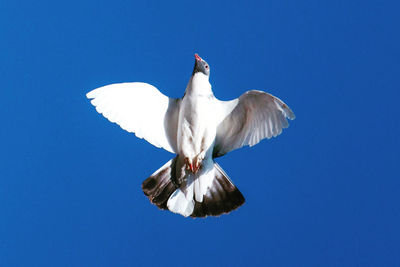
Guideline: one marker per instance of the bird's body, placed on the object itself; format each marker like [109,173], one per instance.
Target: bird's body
[198,128]
[197,120]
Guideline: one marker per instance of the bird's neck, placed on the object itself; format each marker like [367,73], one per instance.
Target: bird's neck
[199,85]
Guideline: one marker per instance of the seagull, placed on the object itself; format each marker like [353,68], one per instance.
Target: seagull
[197,128]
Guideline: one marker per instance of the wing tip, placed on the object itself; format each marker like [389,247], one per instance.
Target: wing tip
[95,92]
[291,116]
[91,94]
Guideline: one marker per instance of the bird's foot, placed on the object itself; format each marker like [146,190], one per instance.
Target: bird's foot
[197,162]
[189,164]
[193,166]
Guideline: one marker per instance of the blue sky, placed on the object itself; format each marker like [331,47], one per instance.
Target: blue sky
[324,193]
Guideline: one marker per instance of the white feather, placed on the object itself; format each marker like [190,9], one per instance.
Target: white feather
[178,203]
[141,109]
[255,115]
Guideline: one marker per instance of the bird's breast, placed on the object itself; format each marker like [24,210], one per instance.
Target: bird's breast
[197,125]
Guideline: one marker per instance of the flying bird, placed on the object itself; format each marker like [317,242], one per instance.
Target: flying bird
[198,128]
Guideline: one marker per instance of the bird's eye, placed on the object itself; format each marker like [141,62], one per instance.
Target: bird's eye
[206,66]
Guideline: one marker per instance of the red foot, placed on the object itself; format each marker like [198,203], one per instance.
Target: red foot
[194,168]
[191,167]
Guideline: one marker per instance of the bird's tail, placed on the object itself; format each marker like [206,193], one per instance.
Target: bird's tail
[160,185]
[209,192]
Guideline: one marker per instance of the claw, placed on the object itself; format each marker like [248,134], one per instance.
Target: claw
[196,166]
[189,164]
[191,167]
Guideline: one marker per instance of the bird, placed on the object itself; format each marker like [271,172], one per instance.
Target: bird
[198,128]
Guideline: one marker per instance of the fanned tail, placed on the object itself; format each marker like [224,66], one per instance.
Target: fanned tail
[207,193]
[159,186]
[222,196]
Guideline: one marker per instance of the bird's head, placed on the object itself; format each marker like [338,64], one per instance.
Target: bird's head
[201,65]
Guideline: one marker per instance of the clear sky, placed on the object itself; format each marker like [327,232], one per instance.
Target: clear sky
[324,193]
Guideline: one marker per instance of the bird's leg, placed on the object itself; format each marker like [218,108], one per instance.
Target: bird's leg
[193,166]
[189,164]
[197,164]
[199,160]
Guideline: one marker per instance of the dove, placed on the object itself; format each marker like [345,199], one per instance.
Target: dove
[198,128]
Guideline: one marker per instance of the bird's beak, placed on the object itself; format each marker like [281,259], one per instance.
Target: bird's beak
[196,56]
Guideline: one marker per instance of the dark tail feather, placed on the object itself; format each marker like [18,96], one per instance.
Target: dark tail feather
[159,186]
[222,197]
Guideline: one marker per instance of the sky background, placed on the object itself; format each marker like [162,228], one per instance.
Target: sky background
[326,192]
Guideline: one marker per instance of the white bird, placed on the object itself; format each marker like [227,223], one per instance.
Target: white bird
[198,128]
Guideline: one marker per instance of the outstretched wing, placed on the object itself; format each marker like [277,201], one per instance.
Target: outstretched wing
[141,109]
[255,115]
